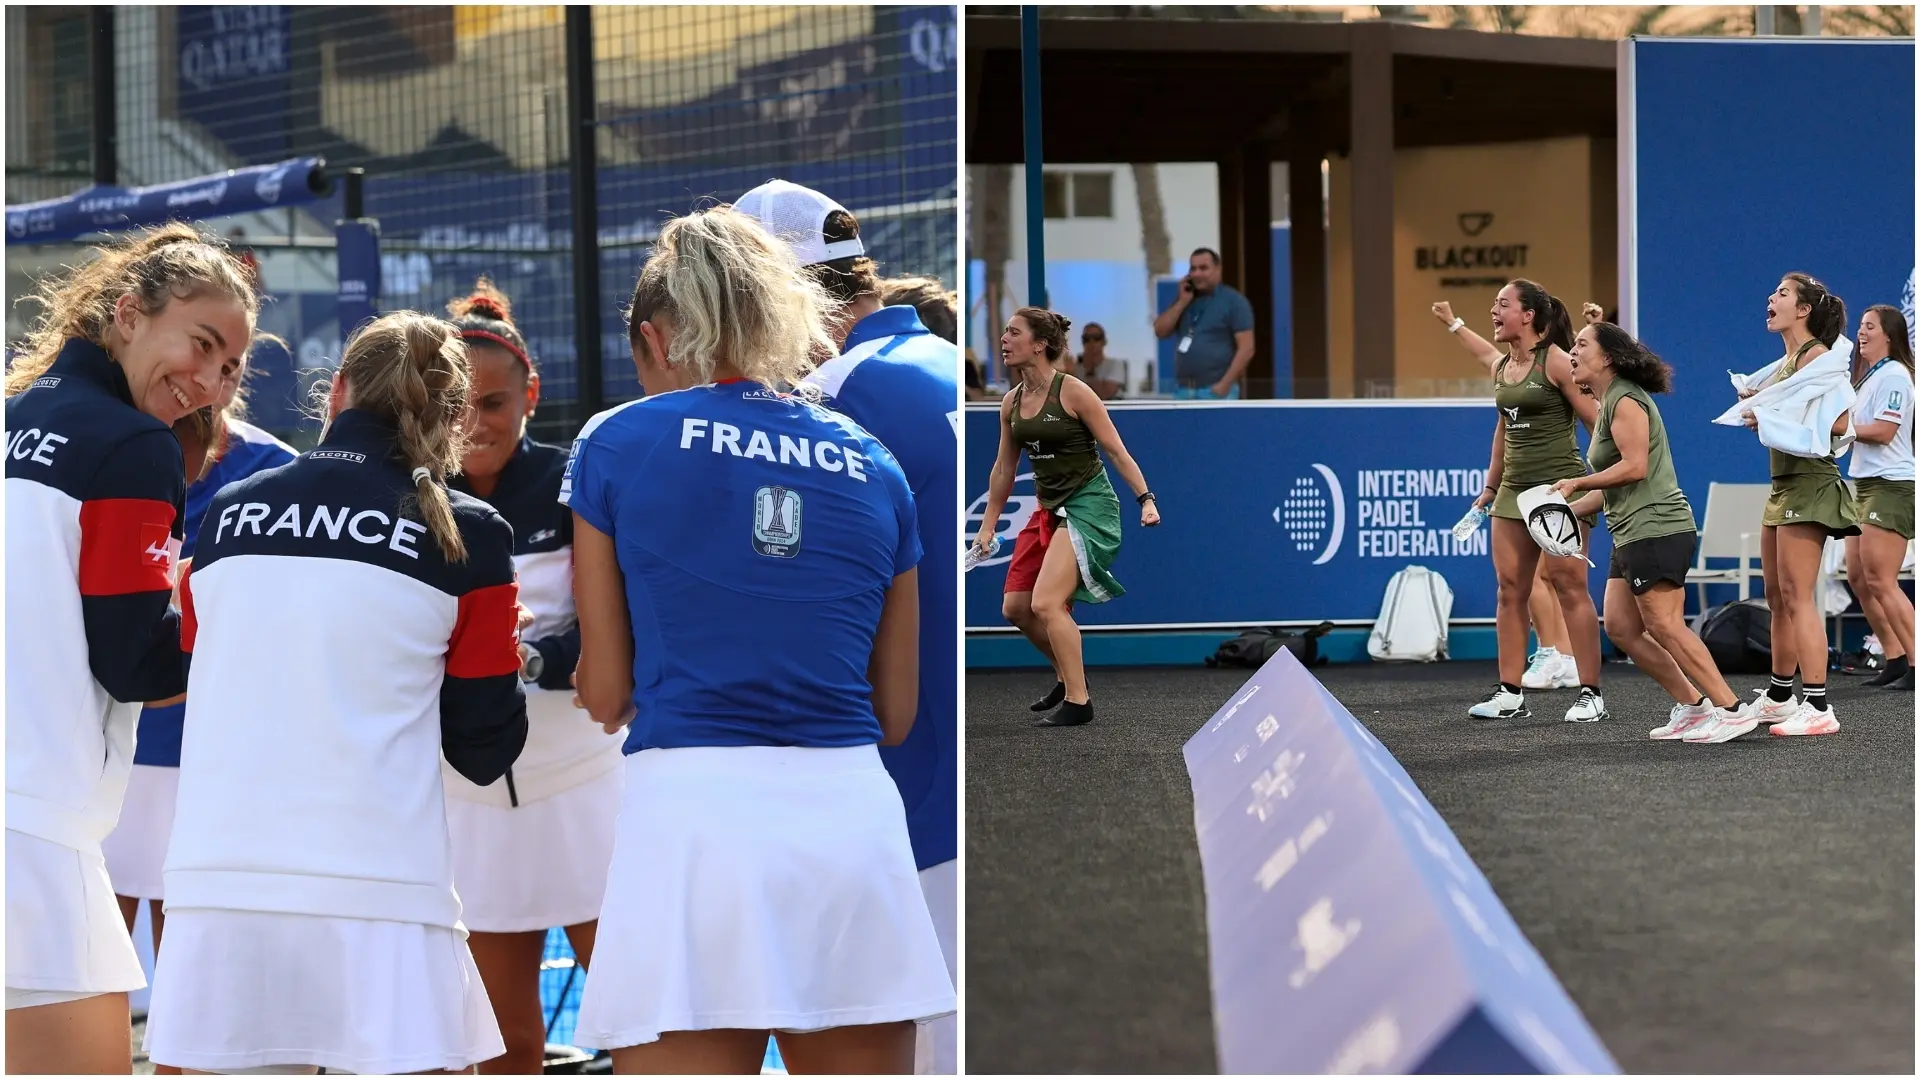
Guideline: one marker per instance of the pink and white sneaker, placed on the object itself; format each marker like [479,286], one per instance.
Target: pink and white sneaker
[1808,722]
[1726,725]
[1682,719]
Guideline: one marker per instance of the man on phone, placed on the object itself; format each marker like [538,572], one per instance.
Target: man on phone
[1212,326]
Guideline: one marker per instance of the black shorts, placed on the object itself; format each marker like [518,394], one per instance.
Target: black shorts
[1643,563]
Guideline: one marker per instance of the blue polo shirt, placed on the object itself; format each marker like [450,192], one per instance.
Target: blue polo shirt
[249,450]
[1213,319]
[758,535]
[902,383]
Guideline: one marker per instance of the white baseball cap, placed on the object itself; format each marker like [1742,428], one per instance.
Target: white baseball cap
[797,216]
[1550,520]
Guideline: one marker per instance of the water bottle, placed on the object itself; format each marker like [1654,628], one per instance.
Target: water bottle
[1469,525]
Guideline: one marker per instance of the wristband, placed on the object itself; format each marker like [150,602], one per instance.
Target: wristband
[1454,326]
[1143,497]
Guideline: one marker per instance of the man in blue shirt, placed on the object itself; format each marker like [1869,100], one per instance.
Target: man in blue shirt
[1212,327]
[901,383]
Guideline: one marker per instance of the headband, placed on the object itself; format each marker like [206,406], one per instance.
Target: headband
[488,335]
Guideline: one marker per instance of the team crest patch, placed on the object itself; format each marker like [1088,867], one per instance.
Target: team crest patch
[776,522]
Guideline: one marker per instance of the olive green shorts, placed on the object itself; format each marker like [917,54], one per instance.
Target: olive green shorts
[1886,504]
[1812,499]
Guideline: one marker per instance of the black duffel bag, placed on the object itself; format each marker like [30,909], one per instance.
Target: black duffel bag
[1740,637]
[1253,648]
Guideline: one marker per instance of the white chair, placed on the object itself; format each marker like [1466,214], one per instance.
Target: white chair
[1731,531]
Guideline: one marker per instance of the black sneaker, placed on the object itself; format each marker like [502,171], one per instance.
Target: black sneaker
[1895,669]
[1054,697]
[1068,714]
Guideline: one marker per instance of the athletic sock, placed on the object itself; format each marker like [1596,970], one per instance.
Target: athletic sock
[1591,688]
[1898,665]
[1816,695]
[1702,703]
[1509,688]
[1780,688]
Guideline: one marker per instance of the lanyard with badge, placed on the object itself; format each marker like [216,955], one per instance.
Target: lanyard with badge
[1193,322]
[1883,362]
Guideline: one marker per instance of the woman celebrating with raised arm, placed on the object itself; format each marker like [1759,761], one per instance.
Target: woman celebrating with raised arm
[1882,471]
[1653,533]
[1551,667]
[126,345]
[1063,435]
[531,849]
[349,621]
[1533,445]
[1809,501]
[745,574]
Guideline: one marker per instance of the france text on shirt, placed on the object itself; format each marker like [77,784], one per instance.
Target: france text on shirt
[717,437]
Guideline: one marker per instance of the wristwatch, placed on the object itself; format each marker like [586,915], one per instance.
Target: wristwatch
[532,664]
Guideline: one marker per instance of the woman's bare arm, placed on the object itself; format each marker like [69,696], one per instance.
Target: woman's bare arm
[603,683]
[893,669]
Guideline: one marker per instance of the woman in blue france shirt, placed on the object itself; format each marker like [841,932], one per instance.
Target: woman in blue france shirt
[745,577]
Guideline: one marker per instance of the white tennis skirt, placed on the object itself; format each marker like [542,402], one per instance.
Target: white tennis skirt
[136,849]
[537,865]
[759,887]
[246,989]
[65,937]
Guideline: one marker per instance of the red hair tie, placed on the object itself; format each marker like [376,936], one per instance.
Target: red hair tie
[488,335]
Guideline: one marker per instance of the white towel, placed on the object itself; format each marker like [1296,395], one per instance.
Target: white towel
[1796,415]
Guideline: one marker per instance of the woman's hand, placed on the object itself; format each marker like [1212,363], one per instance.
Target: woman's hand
[1752,421]
[1569,487]
[1592,312]
[1149,513]
[1444,312]
[984,541]
[1485,499]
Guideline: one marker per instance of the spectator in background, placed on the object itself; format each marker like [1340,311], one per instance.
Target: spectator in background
[1212,326]
[1093,353]
[976,380]
[937,305]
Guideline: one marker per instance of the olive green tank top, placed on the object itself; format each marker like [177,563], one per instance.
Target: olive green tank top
[1784,464]
[1539,433]
[1653,505]
[1061,449]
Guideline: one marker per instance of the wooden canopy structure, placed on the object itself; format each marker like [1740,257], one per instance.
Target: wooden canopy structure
[1245,94]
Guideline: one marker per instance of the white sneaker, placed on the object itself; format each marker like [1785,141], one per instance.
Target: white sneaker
[1808,722]
[1569,675]
[1726,725]
[1588,708]
[1682,719]
[1543,669]
[1502,704]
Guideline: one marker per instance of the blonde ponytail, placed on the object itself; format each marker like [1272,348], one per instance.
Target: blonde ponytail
[734,294]
[411,369]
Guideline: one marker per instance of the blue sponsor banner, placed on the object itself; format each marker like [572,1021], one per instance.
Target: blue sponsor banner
[1723,203]
[103,207]
[234,67]
[1271,511]
[359,257]
[1347,928]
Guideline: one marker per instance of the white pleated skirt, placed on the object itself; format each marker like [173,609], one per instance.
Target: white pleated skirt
[766,888]
[537,865]
[249,989]
[65,937]
[136,849]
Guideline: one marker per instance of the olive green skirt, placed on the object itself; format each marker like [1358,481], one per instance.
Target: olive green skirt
[1817,498]
[1506,504]
[1885,504]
